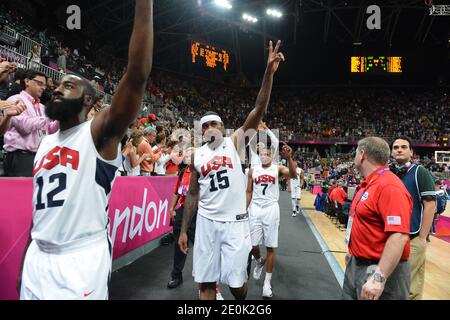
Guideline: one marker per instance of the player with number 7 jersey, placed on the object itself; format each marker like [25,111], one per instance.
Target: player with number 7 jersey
[263,210]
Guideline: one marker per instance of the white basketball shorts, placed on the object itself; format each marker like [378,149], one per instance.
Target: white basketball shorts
[78,275]
[296,192]
[221,251]
[264,224]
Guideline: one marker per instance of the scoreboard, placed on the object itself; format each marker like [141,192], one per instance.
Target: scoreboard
[210,56]
[376,65]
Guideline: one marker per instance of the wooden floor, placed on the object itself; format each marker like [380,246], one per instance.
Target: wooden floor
[437,274]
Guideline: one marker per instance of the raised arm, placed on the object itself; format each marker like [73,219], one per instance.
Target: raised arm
[13,110]
[262,101]
[113,122]
[290,172]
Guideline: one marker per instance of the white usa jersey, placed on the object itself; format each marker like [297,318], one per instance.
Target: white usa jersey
[265,185]
[295,182]
[72,184]
[222,182]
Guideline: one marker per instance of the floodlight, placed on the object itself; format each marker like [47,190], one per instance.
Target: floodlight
[223,3]
[274,13]
[249,18]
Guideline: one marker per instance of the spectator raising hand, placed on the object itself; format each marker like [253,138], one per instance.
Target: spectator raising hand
[8,110]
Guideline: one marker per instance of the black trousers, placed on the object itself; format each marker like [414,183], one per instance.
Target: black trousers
[179,258]
[19,164]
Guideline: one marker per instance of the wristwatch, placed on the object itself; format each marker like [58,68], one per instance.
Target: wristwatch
[378,277]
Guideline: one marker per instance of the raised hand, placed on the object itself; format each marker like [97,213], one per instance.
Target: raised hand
[265,127]
[274,57]
[286,151]
[14,109]
[261,126]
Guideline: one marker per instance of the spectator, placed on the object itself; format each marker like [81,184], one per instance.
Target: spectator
[377,264]
[420,185]
[172,166]
[98,102]
[158,150]
[167,154]
[7,70]
[19,82]
[144,147]
[176,215]
[35,57]
[47,94]
[94,83]
[132,160]
[62,60]
[441,201]
[108,87]
[27,129]
[338,194]
[7,111]
[331,188]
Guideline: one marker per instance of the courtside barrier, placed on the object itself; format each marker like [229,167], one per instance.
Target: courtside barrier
[138,212]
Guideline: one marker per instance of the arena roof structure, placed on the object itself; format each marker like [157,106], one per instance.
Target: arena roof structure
[317,35]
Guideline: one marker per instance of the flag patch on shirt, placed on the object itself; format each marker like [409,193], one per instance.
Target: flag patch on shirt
[394,220]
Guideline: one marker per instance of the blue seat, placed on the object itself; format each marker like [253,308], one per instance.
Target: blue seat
[320,203]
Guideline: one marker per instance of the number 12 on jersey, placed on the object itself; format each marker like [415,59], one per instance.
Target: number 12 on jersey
[51,203]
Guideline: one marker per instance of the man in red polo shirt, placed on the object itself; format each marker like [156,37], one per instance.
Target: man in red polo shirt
[377,264]
[176,214]
[338,194]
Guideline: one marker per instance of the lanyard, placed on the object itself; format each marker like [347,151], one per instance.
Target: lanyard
[379,173]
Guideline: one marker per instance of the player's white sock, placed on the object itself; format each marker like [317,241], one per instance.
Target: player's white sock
[294,204]
[268,278]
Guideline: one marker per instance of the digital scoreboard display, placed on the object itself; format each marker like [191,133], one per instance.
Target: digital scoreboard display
[212,57]
[376,65]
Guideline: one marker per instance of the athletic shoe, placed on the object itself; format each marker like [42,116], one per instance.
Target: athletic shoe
[267,291]
[174,282]
[258,268]
[218,294]
[294,214]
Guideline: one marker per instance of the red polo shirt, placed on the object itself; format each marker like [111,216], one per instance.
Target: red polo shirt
[339,195]
[381,206]
[182,186]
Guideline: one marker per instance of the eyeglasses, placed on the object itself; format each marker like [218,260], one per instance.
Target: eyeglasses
[40,83]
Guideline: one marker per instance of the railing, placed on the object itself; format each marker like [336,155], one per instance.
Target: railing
[10,32]
[25,63]
[26,43]
[25,48]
